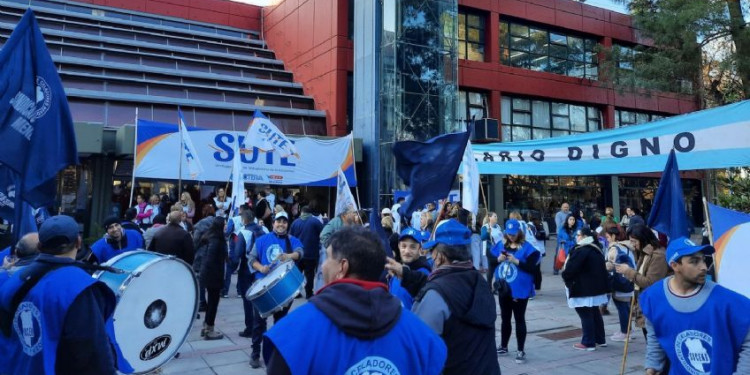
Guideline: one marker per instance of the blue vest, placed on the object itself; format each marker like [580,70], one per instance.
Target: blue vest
[707,340]
[104,251]
[521,283]
[410,348]
[270,246]
[38,321]
[394,286]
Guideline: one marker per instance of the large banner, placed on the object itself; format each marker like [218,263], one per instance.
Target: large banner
[713,138]
[316,164]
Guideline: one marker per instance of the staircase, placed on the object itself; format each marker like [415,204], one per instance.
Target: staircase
[112,61]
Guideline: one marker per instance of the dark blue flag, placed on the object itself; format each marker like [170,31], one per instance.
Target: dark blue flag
[723,220]
[668,214]
[428,168]
[35,123]
[377,227]
[23,220]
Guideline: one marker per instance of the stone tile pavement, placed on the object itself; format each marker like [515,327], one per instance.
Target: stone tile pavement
[547,314]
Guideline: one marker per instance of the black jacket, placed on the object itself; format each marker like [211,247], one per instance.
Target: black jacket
[173,240]
[214,257]
[585,273]
[469,332]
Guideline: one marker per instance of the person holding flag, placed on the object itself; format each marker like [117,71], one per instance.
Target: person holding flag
[700,326]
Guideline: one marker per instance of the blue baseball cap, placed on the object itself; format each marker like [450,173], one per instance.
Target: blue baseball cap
[57,231]
[411,233]
[512,227]
[450,232]
[679,247]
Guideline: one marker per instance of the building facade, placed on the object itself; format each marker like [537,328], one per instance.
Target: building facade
[534,65]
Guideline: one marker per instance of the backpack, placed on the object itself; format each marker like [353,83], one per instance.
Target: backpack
[618,282]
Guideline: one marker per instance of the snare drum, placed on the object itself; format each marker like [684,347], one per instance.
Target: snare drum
[277,289]
[157,299]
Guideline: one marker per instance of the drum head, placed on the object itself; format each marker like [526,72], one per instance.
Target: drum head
[273,277]
[155,312]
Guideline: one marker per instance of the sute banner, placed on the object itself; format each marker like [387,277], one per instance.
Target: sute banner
[317,165]
[713,138]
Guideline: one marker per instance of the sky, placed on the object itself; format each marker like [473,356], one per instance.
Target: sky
[608,4]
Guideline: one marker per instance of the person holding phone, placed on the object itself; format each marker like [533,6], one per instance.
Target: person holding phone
[518,260]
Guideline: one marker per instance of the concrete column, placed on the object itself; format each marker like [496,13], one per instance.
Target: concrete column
[615,184]
[495,196]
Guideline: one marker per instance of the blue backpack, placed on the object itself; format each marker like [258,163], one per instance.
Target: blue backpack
[618,282]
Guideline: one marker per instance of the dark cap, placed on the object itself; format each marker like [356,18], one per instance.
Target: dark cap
[57,231]
[109,221]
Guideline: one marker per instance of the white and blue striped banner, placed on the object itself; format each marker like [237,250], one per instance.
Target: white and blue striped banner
[708,139]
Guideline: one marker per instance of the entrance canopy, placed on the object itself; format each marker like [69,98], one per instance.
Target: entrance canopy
[708,139]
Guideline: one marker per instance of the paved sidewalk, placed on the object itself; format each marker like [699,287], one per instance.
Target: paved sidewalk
[553,329]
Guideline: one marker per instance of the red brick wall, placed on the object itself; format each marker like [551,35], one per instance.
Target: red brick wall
[311,37]
[222,12]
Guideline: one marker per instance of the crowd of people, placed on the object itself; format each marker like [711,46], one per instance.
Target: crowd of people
[418,297]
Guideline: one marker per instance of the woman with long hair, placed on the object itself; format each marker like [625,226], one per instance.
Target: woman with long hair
[585,276]
[214,249]
[491,234]
[651,266]
[188,205]
[619,252]
[566,236]
[517,260]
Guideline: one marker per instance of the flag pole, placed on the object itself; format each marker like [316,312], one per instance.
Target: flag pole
[354,166]
[708,222]
[182,150]
[135,158]
[627,336]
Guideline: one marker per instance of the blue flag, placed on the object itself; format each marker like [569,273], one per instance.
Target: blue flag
[428,168]
[24,219]
[35,121]
[668,214]
[723,219]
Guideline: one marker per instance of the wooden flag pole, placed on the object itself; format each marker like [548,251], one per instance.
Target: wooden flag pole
[135,159]
[627,335]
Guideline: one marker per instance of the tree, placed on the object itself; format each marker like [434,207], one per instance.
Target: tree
[734,188]
[704,43]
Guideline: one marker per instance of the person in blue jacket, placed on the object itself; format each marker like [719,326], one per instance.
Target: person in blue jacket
[700,326]
[270,249]
[115,242]
[566,236]
[518,260]
[353,325]
[59,325]
[409,250]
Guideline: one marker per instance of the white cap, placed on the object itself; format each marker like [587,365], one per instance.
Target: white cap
[280,215]
[385,211]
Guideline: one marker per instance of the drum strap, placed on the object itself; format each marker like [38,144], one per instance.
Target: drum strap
[6,316]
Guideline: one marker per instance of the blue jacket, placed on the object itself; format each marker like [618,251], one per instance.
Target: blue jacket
[521,281]
[567,241]
[307,228]
[59,327]
[270,246]
[352,327]
[104,250]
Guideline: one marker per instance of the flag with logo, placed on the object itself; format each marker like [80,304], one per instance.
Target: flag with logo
[668,214]
[189,153]
[344,198]
[238,181]
[265,136]
[470,177]
[27,216]
[35,122]
[731,234]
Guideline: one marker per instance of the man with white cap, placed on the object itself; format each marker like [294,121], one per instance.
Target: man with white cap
[700,326]
[54,313]
[277,246]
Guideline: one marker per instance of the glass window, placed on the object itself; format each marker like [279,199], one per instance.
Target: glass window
[471,32]
[539,119]
[627,118]
[471,104]
[540,49]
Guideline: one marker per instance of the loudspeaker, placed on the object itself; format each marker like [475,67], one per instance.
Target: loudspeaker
[486,129]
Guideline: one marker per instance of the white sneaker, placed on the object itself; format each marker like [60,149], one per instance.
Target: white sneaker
[619,336]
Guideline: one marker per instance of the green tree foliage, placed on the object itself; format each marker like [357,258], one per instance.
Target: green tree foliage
[697,44]
[734,185]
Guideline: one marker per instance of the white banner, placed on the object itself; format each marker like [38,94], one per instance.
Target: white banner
[344,198]
[318,163]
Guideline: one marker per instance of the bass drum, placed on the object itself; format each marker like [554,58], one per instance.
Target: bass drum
[157,299]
